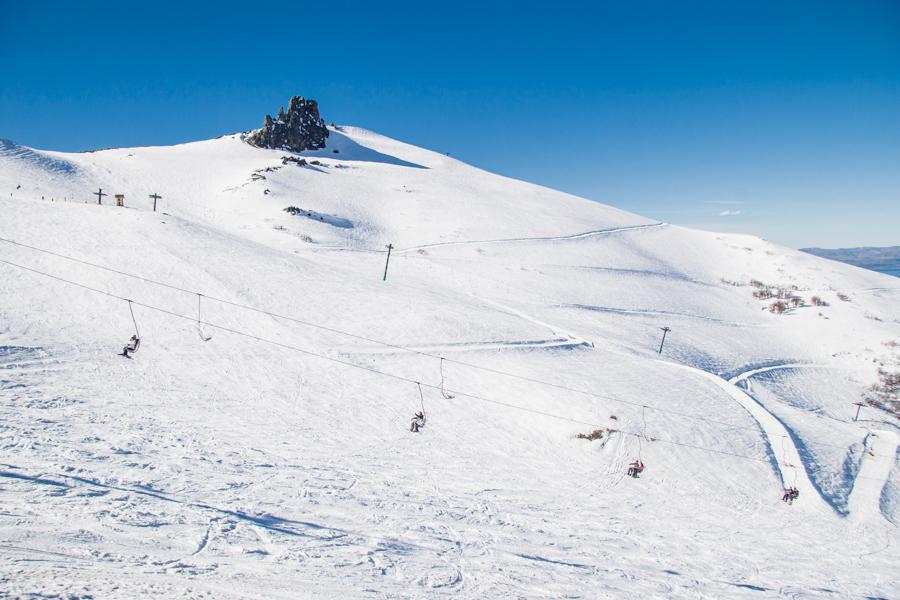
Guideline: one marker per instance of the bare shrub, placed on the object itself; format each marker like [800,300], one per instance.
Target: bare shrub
[843,297]
[597,434]
[817,301]
[886,393]
[778,307]
[796,301]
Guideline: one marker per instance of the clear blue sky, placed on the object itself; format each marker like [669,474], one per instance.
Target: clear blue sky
[775,118]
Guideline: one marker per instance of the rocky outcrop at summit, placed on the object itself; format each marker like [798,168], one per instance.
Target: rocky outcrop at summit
[300,128]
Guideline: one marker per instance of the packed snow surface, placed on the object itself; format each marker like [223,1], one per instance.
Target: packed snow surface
[258,443]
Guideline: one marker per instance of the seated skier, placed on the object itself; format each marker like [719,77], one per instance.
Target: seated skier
[418,421]
[790,494]
[132,346]
[635,468]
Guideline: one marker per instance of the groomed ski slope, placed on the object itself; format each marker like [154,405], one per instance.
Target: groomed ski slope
[274,460]
[784,454]
[879,460]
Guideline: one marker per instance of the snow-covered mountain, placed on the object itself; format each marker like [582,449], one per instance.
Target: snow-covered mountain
[260,447]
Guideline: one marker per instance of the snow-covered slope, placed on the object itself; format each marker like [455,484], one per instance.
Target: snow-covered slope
[379,188]
[275,460]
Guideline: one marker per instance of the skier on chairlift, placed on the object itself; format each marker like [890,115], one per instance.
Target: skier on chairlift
[790,494]
[636,468]
[132,346]
[418,421]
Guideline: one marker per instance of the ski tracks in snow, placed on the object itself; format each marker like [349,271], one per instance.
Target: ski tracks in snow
[785,456]
[557,238]
[865,497]
[561,340]
[878,458]
[786,459]
[573,340]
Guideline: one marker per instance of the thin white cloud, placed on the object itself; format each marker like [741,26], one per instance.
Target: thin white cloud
[729,213]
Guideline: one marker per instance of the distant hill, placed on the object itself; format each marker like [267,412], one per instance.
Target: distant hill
[876,259]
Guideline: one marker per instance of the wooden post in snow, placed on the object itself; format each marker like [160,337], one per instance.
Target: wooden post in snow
[99,193]
[155,197]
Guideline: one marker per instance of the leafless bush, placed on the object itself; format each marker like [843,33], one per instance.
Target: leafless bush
[843,297]
[817,301]
[595,435]
[886,393]
[782,293]
[778,307]
[796,301]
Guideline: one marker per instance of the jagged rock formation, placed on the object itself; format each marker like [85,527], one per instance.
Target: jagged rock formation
[300,128]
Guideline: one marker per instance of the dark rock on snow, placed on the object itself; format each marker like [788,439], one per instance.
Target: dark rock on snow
[300,162]
[300,128]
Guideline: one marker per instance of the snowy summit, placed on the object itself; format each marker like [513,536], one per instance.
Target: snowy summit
[315,361]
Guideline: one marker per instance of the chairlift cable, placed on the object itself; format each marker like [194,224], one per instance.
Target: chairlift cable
[729,426]
[385,373]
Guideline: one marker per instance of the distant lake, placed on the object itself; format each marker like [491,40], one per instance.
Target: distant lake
[894,272]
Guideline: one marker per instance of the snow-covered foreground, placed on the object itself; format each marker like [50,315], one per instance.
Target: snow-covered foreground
[275,459]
